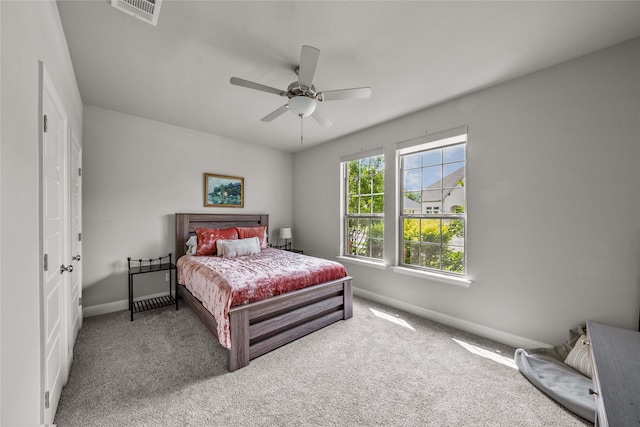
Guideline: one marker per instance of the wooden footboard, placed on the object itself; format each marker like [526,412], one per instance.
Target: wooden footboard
[262,326]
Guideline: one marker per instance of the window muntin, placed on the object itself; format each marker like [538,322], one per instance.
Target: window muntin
[433,215]
[364,207]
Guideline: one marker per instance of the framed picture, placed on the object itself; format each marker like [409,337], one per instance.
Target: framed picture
[223,191]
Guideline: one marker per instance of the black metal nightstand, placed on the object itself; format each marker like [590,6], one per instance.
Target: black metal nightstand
[148,266]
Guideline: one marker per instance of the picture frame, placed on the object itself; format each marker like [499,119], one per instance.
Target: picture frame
[223,191]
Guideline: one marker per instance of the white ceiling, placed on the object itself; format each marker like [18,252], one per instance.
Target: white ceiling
[412,54]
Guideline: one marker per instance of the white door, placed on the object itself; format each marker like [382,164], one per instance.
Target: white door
[54,235]
[75,243]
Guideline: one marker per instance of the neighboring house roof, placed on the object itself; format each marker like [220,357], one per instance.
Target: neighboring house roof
[412,205]
[433,193]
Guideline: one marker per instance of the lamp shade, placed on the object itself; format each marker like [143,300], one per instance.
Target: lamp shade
[285,233]
[302,105]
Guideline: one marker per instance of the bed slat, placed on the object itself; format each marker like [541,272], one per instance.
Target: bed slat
[286,301]
[294,317]
[285,337]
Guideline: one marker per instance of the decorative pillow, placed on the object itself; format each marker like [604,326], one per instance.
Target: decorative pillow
[579,358]
[240,247]
[207,238]
[192,245]
[259,232]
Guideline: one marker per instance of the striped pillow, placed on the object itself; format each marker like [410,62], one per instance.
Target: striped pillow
[579,357]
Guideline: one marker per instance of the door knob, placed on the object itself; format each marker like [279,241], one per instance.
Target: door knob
[76,258]
[68,268]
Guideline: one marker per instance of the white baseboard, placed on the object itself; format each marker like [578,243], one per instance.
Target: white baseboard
[465,325]
[112,307]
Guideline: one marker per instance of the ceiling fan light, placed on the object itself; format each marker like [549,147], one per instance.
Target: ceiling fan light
[302,105]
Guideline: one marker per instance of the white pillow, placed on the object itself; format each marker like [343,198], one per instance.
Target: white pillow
[192,245]
[238,247]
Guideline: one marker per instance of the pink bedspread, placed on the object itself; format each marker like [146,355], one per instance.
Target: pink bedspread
[221,283]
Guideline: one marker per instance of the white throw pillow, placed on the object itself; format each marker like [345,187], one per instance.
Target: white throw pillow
[238,247]
[192,245]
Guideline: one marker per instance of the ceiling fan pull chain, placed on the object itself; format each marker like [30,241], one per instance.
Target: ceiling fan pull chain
[301,129]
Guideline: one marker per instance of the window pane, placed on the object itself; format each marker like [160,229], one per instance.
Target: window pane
[377,228]
[454,201]
[411,203]
[378,183]
[432,176]
[362,236]
[455,153]
[453,259]
[411,180]
[377,248]
[430,256]
[378,203]
[453,232]
[411,161]
[353,205]
[350,238]
[365,204]
[430,230]
[365,184]
[378,164]
[411,254]
[431,201]
[411,229]
[432,157]
[454,174]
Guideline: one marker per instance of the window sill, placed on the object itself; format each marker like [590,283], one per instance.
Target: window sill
[457,281]
[363,262]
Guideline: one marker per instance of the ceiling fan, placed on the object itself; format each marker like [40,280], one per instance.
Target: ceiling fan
[303,96]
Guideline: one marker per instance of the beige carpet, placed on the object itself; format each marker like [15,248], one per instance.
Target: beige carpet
[380,368]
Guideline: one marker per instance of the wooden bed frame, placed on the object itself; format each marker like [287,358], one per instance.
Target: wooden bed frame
[262,326]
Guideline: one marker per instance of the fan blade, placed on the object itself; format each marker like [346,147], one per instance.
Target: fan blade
[321,118]
[280,111]
[257,86]
[334,95]
[308,62]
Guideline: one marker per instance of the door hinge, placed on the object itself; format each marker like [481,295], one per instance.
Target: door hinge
[46,262]
[79,300]
[46,400]
[79,237]
[45,122]
[79,171]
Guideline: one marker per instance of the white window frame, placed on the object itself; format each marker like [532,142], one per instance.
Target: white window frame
[345,216]
[444,139]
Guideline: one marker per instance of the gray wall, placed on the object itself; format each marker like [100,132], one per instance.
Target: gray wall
[30,32]
[553,201]
[137,173]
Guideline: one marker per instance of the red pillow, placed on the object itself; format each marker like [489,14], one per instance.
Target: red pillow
[259,232]
[207,238]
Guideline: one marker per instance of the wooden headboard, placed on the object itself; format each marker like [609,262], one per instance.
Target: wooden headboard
[187,222]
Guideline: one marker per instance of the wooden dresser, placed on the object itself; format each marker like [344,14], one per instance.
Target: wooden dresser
[615,356]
